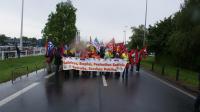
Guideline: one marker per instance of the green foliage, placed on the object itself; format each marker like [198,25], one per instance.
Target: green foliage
[187,77]
[177,38]
[2,39]
[27,41]
[158,36]
[60,27]
[7,66]
[137,37]
[184,42]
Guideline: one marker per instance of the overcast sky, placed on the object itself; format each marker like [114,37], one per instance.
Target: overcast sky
[104,19]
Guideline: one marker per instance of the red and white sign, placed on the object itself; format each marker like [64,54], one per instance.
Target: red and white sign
[91,64]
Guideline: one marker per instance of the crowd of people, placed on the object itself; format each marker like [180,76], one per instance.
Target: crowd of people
[95,50]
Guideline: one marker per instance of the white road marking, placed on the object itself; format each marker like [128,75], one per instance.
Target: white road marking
[104,81]
[15,95]
[48,76]
[172,86]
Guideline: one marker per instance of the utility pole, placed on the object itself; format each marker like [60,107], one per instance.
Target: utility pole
[125,35]
[21,32]
[145,24]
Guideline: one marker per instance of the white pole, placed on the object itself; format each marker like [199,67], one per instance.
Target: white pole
[16,54]
[2,55]
[125,33]
[145,23]
[34,51]
[21,32]
[26,53]
[124,38]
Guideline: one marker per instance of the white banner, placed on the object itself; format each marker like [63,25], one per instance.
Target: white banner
[91,64]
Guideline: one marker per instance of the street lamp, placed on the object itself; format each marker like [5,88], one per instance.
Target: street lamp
[21,32]
[125,35]
[145,23]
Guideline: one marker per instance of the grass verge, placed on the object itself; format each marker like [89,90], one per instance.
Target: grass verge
[186,77]
[19,66]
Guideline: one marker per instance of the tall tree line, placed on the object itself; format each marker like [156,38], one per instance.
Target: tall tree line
[176,38]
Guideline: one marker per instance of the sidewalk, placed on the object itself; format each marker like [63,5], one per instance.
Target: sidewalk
[7,88]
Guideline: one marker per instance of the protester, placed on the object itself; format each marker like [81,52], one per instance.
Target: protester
[18,51]
[50,50]
[94,51]
[126,58]
[117,56]
[58,57]
[138,66]
[102,51]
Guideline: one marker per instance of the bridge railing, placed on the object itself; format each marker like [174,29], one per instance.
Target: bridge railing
[13,54]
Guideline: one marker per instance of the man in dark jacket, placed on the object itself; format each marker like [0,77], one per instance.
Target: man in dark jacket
[58,58]
[18,52]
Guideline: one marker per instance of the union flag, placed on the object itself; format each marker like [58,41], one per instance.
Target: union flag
[111,44]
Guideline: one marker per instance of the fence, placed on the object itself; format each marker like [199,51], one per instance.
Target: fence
[189,78]
[13,54]
[25,70]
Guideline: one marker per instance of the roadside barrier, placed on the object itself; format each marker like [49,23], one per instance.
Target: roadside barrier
[18,72]
[186,77]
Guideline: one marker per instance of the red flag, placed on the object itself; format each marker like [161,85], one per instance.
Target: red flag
[143,53]
[136,56]
[120,48]
[132,56]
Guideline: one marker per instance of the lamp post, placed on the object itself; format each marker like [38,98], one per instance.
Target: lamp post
[125,35]
[21,32]
[145,23]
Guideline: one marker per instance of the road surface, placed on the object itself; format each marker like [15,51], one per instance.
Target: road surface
[139,92]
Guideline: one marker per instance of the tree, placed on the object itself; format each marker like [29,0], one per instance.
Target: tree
[136,40]
[2,39]
[177,37]
[60,27]
[158,36]
[184,43]
[33,41]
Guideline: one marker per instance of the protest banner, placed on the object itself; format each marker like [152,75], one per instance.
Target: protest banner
[92,64]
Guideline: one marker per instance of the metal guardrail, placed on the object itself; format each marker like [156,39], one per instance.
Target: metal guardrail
[18,72]
[178,74]
[38,66]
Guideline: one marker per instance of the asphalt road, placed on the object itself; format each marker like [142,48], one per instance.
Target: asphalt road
[138,92]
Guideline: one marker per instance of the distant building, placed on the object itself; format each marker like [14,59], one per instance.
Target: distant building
[78,39]
[33,42]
